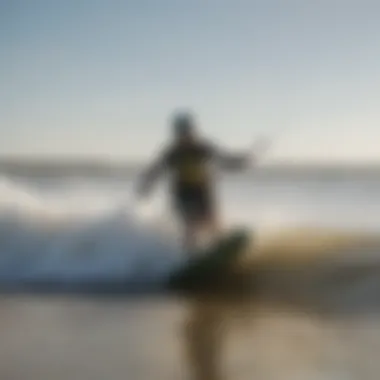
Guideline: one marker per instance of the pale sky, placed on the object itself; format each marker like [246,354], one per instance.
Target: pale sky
[101,77]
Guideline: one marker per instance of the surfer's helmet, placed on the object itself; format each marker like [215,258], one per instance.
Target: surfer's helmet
[183,124]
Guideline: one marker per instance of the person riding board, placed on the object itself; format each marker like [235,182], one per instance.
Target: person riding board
[187,158]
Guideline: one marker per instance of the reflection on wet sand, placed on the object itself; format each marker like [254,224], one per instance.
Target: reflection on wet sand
[203,340]
[308,283]
[206,333]
[304,316]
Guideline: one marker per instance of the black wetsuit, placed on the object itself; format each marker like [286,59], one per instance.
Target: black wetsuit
[191,179]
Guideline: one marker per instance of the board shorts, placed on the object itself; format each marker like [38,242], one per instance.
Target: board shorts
[194,204]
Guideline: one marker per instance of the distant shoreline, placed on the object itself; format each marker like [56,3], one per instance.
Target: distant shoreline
[41,166]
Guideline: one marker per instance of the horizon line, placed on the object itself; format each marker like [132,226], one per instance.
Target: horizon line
[103,160]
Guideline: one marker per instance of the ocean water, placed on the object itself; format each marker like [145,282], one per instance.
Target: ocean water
[314,314]
[76,230]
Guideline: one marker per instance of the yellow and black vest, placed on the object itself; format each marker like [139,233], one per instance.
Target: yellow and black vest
[189,164]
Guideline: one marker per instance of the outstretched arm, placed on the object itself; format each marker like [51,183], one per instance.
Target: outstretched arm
[151,175]
[242,160]
[230,160]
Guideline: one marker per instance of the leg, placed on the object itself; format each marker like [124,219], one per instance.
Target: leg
[198,227]
[197,213]
[212,226]
[190,236]
[183,206]
[210,220]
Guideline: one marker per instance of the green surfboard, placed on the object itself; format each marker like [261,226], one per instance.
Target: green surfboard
[211,262]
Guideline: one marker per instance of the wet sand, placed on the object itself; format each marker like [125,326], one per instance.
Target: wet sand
[305,318]
[60,338]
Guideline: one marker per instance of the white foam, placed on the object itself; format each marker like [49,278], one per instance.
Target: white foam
[80,230]
[78,238]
